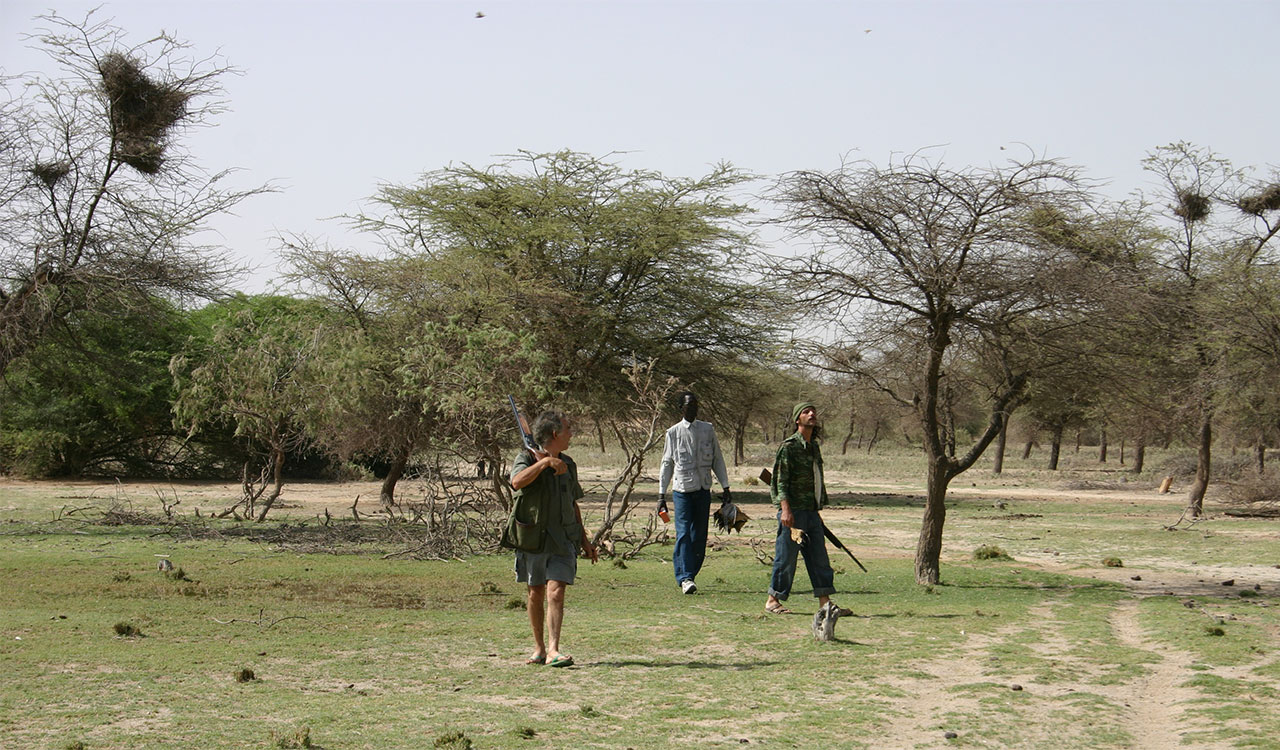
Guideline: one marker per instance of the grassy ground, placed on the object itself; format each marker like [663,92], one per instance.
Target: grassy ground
[1049,649]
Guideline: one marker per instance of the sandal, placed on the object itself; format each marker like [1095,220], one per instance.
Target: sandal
[563,660]
[536,660]
[777,609]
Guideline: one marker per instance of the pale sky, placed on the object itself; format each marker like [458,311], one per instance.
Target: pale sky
[338,97]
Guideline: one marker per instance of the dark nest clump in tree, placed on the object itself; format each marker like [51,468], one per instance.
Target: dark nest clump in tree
[51,172]
[142,111]
[1192,206]
[1267,200]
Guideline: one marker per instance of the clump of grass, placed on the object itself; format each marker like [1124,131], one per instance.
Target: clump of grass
[298,738]
[120,576]
[751,481]
[453,741]
[1248,593]
[990,552]
[1214,630]
[127,630]
[515,602]
[526,733]
[1112,562]
[75,745]
[620,563]
[588,711]
[177,574]
[246,675]
[489,587]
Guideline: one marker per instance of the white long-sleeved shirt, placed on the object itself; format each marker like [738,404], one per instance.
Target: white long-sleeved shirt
[690,455]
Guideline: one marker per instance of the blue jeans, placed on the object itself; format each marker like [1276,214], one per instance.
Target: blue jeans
[814,550]
[693,510]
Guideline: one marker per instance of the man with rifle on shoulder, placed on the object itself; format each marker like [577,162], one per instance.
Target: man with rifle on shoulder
[545,529]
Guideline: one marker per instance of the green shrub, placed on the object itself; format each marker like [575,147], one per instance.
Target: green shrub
[990,552]
[453,741]
[127,630]
[299,738]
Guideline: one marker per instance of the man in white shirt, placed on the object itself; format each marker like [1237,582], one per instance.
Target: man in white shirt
[690,456]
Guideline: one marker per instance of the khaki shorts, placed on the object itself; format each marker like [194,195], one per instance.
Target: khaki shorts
[536,568]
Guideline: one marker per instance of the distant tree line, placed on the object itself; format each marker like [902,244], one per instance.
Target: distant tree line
[923,300]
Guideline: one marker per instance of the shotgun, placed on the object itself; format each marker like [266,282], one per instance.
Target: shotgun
[766,476]
[523,426]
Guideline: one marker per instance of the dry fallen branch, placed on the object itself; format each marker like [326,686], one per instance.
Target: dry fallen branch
[262,620]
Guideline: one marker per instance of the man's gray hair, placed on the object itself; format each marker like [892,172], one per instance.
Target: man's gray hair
[547,424]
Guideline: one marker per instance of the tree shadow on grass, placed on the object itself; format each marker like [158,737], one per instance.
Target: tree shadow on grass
[842,499]
[874,500]
[911,615]
[692,664]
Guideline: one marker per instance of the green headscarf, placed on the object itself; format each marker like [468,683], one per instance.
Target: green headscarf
[795,413]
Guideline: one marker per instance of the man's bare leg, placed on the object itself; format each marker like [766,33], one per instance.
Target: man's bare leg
[555,616]
[537,611]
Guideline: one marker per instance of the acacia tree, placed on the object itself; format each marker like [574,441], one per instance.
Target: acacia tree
[100,207]
[443,351]
[607,266]
[939,256]
[738,394]
[1220,227]
[272,370]
[1248,354]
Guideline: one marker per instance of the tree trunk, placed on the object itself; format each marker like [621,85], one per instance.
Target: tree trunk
[387,495]
[1026,450]
[1262,457]
[1077,441]
[600,434]
[1102,447]
[844,447]
[1055,448]
[277,482]
[929,546]
[1000,444]
[875,436]
[949,422]
[1122,451]
[740,443]
[1195,500]
[1139,455]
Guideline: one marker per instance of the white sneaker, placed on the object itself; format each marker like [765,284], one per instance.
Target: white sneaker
[688,586]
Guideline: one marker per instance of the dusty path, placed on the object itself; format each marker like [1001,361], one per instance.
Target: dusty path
[1154,710]
[1158,700]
